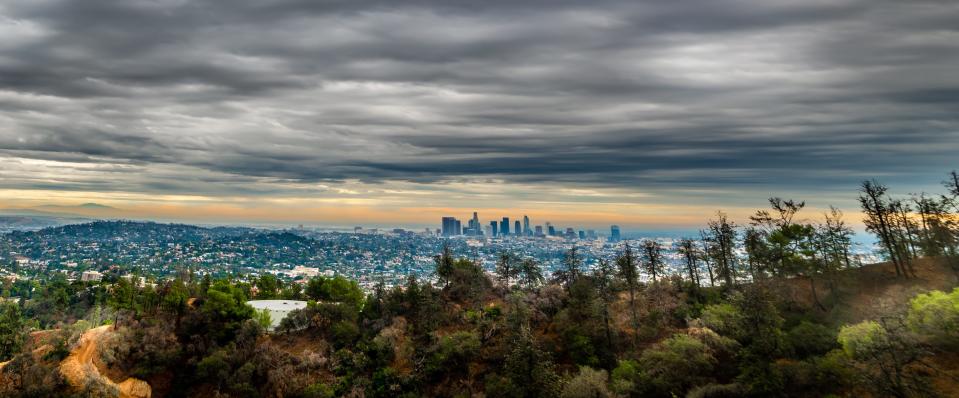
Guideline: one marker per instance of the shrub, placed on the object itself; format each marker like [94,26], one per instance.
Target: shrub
[723,319]
[862,339]
[809,339]
[624,376]
[588,383]
[717,391]
[674,366]
[935,315]
[318,390]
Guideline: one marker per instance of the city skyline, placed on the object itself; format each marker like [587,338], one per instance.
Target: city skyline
[450,226]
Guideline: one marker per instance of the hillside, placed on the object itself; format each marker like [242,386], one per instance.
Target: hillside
[872,290]
[473,326]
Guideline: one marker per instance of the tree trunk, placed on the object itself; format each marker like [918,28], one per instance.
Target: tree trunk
[815,297]
[632,306]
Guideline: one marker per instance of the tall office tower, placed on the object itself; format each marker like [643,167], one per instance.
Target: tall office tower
[495,230]
[504,226]
[570,233]
[614,233]
[479,227]
[526,230]
[449,226]
[550,230]
[591,234]
[489,231]
[582,234]
[539,231]
[473,227]
[457,228]
[518,228]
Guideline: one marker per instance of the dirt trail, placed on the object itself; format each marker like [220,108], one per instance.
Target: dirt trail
[78,368]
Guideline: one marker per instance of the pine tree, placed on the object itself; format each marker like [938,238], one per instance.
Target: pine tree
[654,258]
[626,264]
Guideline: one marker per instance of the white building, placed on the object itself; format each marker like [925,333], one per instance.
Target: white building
[278,309]
[91,276]
[300,270]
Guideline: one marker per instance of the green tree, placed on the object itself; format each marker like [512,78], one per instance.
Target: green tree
[12,328]
[224,309]
[529,369]
[530,273]
[263,318]
[674,366]
[444,264]
[627,265]
[887,357]
[337,289]
[267,287]
[603,275]
[761,336]
[570,272]
[452,354]
[506,267]
[774,246]
[175,297]
[292,292]
[122,298]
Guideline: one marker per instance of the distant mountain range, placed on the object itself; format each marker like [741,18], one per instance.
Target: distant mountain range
[85,206]
[71,211]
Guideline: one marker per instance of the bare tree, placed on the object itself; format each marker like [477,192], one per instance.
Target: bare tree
[722,236]
[687,248]
[881,220]
[654,258]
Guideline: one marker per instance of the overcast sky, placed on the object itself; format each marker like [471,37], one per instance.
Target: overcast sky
[646,112]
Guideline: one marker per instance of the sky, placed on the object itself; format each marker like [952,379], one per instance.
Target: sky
[648,114]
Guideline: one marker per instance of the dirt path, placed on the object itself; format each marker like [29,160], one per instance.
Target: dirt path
[78,368]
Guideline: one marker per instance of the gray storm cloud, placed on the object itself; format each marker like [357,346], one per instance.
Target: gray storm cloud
[178,96]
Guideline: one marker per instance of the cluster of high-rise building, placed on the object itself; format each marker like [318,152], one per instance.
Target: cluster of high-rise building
[451,226]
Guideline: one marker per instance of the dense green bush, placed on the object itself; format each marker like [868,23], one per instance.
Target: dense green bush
[588,383]
[674,366]
[723,319]
[810,339]
[936,315]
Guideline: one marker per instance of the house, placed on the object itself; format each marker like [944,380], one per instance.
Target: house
[91,276]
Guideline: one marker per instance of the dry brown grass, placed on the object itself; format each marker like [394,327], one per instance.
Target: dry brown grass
[870,291]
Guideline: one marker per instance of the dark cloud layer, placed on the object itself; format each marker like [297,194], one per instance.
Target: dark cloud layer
[181,96]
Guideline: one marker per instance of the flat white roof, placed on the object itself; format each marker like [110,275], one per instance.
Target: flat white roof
[277,305]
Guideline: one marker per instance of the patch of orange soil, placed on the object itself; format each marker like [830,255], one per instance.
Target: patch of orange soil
[78,368]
